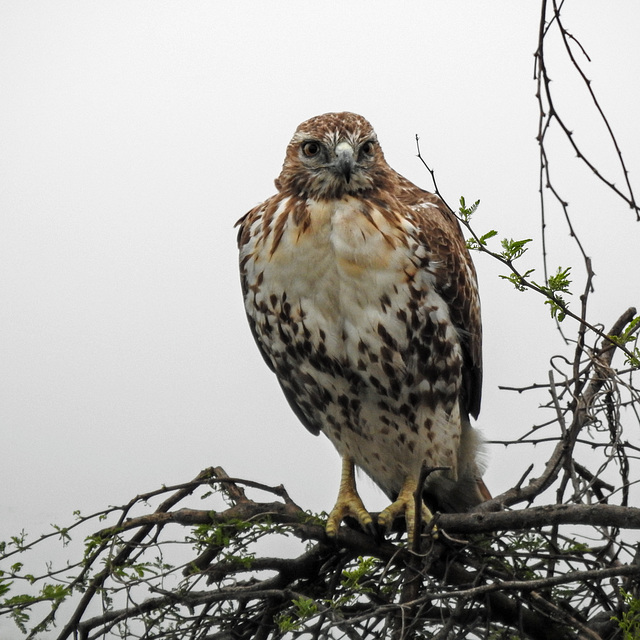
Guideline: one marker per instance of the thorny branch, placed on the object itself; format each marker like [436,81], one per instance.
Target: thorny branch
[550,115]
[459,580]
[597,375]
[525,282]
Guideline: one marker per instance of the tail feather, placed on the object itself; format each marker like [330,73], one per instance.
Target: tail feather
[456,496]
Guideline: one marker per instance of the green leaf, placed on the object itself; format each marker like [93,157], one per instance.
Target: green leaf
[629,621]
[514,249]
[5,585]
[477,243]
[517,280]
[55,592]
[557,284]
[351,578]
[629,335]
[466,212]
[64,534]
[560,281]
[303,609]
[19,540]
[486,236]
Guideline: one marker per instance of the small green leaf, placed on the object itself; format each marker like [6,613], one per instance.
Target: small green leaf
[303,609]
[351,578]
[64,534]
[477,243]
[629,335]
[486,236]
[466,212]
[629,621]
[5,586]
[557,284]
[517,280]
[514,249]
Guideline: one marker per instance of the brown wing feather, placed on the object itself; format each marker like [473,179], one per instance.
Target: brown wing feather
[456,282]
[244,227]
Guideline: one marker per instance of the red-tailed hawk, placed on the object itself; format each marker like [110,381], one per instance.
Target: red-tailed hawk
[362,298]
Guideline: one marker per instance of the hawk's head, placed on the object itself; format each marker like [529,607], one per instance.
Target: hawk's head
[333,155]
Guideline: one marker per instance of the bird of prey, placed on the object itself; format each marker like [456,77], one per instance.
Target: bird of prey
[363,300]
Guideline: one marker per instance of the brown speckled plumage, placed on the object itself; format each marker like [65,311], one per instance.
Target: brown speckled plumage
[363,300]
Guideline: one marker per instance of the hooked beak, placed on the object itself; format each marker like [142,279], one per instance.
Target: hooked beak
[345,161]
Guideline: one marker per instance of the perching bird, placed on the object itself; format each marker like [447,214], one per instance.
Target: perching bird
[363,300]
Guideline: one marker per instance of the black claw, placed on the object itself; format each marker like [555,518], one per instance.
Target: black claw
[377,532]
[371,529]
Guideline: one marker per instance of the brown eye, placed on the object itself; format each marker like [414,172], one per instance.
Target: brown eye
[367,148]
[310,149]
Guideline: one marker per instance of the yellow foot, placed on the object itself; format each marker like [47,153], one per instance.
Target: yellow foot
[348,503]
[405,504]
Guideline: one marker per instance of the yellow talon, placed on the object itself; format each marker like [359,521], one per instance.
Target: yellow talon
[405,504]
[348,502]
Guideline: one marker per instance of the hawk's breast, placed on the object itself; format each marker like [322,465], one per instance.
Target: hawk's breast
[339,275]
[344,307]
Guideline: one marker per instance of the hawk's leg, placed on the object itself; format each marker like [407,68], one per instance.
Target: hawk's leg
[405,504]
[348,502]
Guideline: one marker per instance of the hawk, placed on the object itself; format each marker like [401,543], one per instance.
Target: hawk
[363,300]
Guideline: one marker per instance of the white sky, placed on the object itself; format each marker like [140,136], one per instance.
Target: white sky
[134,134]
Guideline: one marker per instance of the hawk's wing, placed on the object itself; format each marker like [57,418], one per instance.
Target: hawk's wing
[244,225]
[456,283]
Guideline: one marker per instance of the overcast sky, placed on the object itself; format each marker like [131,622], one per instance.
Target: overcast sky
[134,134]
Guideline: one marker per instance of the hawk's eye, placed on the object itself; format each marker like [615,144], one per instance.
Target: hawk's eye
[367,148]
[311,149]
